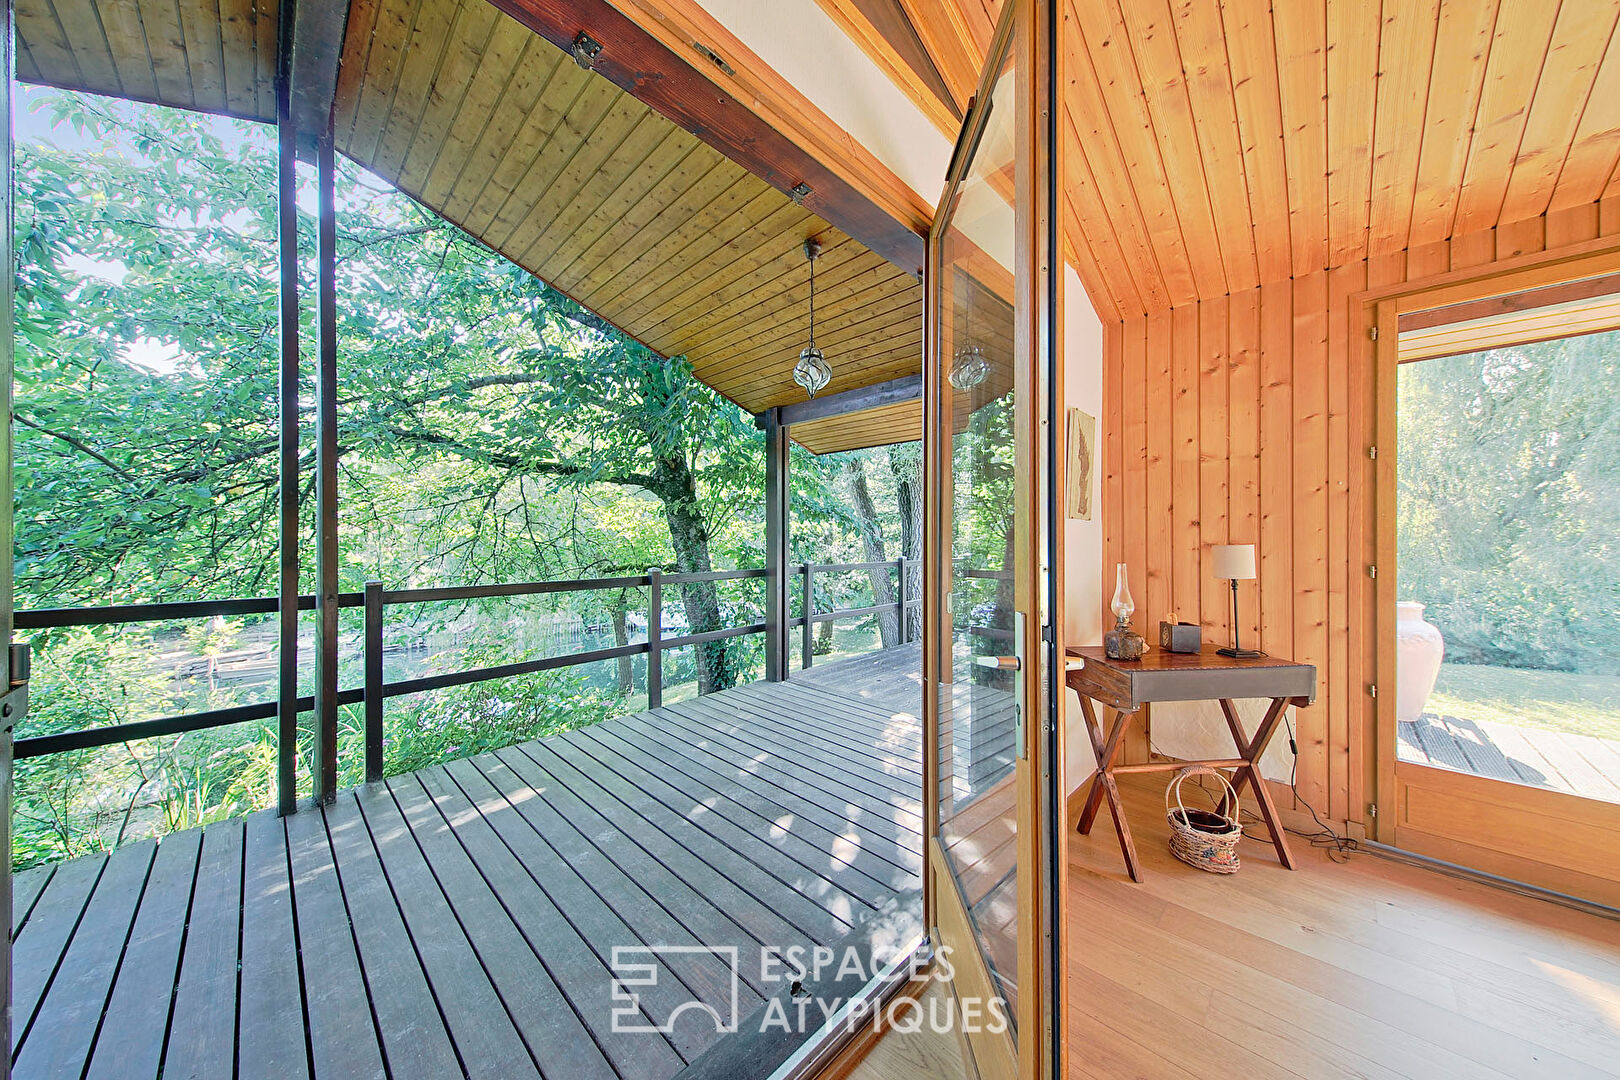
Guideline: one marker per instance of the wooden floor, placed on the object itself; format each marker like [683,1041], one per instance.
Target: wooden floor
[1576,764]
[1368,969]
[461,921]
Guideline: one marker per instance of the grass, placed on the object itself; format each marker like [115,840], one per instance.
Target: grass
[1539,700]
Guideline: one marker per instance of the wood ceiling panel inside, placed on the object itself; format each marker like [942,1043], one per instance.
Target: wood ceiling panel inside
[497,130]
[1213,146]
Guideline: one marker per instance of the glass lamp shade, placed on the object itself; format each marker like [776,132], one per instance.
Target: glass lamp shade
[969,368]
[812,371]
[1123,606]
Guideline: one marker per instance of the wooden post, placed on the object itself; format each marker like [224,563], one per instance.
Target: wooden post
[776,547]
[287,378]
[374,681]
[655,634]
[326,479]
[900,603]
[807,647]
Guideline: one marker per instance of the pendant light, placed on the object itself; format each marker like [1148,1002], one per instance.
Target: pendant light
[812,371]
[969,366]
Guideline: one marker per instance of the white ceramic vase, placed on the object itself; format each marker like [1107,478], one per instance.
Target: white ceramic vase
[1419,649]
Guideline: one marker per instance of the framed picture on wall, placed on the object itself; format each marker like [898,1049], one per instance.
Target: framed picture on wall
[1082,461]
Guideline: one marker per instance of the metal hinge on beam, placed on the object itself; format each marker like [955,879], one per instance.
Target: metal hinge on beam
[1372,572]
[1372,810]
[585,50]
[1372,691]
[1373,333]
[798,192]
[1372,453]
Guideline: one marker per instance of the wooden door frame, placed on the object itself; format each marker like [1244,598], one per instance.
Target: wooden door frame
[1027,31]
[1390,782]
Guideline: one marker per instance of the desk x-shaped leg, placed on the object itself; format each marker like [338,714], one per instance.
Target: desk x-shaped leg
[1103,785]
[1250,750]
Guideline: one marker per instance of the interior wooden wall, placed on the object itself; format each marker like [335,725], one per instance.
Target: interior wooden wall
[1246,419]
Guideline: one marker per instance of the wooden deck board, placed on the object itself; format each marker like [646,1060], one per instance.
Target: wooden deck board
[1575,764]
[462,920]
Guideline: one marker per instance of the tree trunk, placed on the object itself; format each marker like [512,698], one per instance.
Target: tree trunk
[904,462]
[689,535]
[621,636]
[866,520]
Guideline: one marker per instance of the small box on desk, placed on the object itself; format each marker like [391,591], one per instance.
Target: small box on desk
[1180,637]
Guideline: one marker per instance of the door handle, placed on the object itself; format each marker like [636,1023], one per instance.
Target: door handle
[999,663]
[1014,664]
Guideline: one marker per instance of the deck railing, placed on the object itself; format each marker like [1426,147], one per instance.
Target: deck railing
[375,600]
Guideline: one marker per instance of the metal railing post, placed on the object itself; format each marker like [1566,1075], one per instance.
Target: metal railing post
[900,600]
[807,645]
[374,681]
[655,634]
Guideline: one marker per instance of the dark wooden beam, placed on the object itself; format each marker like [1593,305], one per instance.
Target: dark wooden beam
[326,474]
[643,67]
[890,20]
[318,27]
[777,488]
[287,379]
[893,392]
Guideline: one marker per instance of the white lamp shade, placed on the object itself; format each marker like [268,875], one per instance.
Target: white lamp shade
[1234,561]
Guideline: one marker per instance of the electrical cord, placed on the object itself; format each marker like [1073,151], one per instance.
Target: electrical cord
[1338,848]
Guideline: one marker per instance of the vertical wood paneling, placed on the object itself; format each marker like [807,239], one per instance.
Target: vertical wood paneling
[1276,550]
[1274,411]
[1342,283]
[1112,426]
[1243,441]
[1214,456]
[1184,473]
[1152,604]
[1310,524]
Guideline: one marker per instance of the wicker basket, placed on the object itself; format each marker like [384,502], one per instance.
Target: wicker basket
[1204,838]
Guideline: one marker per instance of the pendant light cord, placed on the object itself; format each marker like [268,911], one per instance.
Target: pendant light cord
[812,301]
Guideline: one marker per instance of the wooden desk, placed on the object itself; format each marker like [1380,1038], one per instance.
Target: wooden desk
[1126,685]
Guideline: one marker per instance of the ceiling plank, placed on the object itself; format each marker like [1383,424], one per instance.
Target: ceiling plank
[1146,35]
[1580,41]
[1202,45]
[1519,48]
[1352,88]
[1462,42]
[1596,149]
[1301,33]
[1253,54]
[644,67]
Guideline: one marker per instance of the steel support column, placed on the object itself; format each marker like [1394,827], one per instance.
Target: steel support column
[287,578]
[326,477]
[776,546]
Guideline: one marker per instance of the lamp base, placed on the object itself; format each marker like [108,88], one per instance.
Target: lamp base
[1240,654]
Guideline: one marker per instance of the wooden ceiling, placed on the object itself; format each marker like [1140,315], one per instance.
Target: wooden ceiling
[497,130]
[1216,145]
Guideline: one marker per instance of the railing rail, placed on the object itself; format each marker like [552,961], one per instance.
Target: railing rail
[375,600]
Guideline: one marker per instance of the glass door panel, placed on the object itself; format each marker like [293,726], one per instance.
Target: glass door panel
[986,373]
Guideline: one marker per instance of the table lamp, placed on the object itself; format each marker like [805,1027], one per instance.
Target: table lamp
[1235,562]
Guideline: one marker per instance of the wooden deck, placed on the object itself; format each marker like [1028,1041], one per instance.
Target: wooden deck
[461,920]
[1574,764]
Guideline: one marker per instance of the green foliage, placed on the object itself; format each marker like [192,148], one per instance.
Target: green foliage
[491,430]
[1509,502]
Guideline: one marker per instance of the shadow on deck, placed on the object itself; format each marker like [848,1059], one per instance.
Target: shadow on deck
[462,920]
